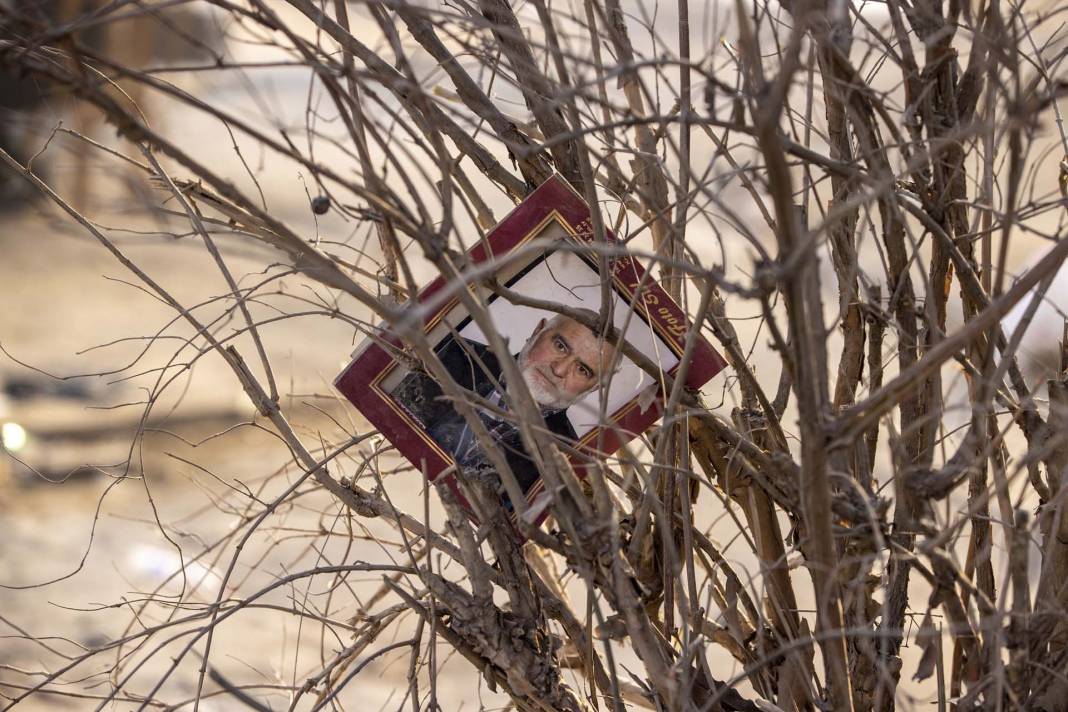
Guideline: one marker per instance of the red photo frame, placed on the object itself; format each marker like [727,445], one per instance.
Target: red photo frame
[554,208]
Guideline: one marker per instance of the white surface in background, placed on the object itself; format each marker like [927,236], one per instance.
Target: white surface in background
[564,278]
[154,565]
[12,436]
[1042,337]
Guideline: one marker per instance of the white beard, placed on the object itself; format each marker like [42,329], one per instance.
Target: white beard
[543,394]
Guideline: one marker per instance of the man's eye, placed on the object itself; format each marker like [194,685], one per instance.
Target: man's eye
[585,372]
[560,345]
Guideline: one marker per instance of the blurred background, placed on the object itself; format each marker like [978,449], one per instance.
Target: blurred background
[103,515]
[93,516]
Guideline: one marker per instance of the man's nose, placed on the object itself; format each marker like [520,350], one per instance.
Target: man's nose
[559,366]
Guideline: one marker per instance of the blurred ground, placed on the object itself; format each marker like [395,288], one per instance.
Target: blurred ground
[67,300]
[70,308]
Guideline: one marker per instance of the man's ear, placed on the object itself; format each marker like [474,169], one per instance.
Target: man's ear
[539,327]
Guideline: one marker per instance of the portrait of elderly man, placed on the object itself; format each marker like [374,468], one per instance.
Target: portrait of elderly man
[560,362]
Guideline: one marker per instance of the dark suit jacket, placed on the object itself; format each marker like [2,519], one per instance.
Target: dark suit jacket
[475,368]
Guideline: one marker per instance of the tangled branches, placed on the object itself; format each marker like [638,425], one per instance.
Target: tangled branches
[840,195]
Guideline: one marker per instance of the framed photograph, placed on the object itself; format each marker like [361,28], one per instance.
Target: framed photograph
[593,398]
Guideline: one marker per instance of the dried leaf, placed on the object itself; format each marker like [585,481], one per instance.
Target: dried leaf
[613,628]
[927,639]
[647,397]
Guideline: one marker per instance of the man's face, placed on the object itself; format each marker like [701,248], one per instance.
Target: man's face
[561,361]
